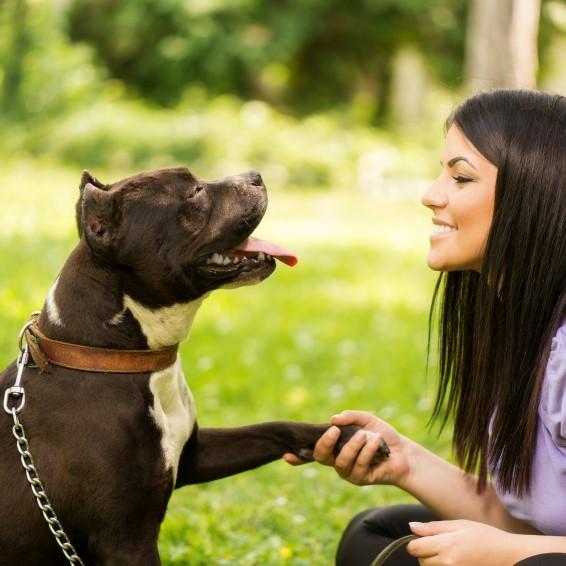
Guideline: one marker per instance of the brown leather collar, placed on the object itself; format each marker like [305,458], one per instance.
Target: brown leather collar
[45,351]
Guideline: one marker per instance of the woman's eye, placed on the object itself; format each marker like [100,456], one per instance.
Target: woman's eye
[461,179]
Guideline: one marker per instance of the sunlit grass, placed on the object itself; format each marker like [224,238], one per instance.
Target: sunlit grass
[345,328]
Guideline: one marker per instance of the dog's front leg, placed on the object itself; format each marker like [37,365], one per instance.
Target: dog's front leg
[213,453]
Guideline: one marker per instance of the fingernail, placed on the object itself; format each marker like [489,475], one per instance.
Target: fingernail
[415,524]
[336,415]
[360,434]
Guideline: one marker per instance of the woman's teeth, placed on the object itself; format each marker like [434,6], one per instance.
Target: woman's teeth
[443,229]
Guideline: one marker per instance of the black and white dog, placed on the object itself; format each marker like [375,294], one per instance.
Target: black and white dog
[110,446]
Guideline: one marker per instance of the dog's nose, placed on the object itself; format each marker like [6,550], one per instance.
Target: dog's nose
[255,179]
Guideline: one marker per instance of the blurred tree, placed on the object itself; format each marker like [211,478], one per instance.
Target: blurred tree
[17,44]
[305,54]
[407,104]
[374,58]
[502,44]
[42,75]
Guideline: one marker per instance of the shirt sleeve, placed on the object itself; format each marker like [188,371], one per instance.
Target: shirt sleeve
[552,408]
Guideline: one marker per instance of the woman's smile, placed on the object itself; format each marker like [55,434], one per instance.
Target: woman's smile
[441,229]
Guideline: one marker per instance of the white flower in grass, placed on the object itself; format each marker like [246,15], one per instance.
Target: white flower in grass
[336,391]
[281,501]
[293,372]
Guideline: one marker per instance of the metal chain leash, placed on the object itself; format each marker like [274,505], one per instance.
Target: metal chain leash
[14,401]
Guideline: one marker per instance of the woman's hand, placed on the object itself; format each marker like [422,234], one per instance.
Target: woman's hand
[353,463]
[466,543]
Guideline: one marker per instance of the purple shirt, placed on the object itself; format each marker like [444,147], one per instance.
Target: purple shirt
[545,506]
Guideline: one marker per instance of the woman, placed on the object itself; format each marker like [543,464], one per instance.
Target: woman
[499,239]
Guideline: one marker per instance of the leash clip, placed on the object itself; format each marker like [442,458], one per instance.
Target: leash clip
[16,393]
[16,396]
[19,395]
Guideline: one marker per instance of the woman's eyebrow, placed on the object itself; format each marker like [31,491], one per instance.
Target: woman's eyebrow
[455,160]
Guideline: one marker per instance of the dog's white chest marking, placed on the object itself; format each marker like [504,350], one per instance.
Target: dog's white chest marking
[53,314]
[173,410]
[165,326]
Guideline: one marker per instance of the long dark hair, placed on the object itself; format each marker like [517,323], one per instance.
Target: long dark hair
[496,327]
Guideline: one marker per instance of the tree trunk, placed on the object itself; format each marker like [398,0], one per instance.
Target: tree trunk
[408,87]
[523,40]
[502,44]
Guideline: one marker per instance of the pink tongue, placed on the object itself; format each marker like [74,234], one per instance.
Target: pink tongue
[256,245]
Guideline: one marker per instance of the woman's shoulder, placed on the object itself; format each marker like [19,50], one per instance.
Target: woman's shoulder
[552,409]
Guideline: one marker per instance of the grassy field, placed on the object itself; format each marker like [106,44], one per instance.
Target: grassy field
[345,328]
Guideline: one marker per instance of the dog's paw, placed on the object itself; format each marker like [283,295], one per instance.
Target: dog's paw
[348,431]
[306,450]
[306,454]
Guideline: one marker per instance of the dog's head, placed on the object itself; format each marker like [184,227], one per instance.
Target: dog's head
[173,237]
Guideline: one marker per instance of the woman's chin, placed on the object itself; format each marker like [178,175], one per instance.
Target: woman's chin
[439,264]
[436,263]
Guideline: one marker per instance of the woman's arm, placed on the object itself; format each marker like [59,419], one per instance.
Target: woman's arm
[452,494]
[440,486]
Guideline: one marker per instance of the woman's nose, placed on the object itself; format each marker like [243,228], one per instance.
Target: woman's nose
[434,196]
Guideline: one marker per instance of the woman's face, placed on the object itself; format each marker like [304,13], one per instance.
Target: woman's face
[461,199]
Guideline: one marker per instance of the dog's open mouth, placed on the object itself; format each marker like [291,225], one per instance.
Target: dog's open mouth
[260,249]
[253,257]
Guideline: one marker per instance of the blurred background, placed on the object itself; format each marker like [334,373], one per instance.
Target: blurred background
[304,90]
[340,106]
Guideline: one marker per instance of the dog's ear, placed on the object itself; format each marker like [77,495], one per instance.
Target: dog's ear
[86,178]
[99,217]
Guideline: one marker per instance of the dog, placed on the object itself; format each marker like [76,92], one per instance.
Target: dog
[110,419]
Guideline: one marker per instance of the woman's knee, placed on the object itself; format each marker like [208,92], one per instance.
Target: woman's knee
[550,559]
[372,530]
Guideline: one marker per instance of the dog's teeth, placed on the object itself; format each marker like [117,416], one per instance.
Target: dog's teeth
[268,256]
[261,256]
[217,259]
[226,261]
[236,259]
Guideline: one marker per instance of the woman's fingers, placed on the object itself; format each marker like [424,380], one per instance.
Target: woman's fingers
[360,470]
[324,448]
[293,459]
[366,456]
[346,460]
[360,418]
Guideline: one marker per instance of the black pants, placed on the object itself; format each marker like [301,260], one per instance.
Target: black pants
[372,530]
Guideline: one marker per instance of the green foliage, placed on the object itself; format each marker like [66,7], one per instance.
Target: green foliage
[345,328]
[220,136]
[301,57]
[295,54]
[42,75]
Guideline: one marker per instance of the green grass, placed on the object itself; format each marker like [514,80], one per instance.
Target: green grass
[345,328]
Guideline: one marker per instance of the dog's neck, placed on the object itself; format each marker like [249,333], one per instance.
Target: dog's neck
[86,305]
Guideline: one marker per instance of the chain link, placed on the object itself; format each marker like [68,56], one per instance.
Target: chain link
[17,394]
[39,492]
